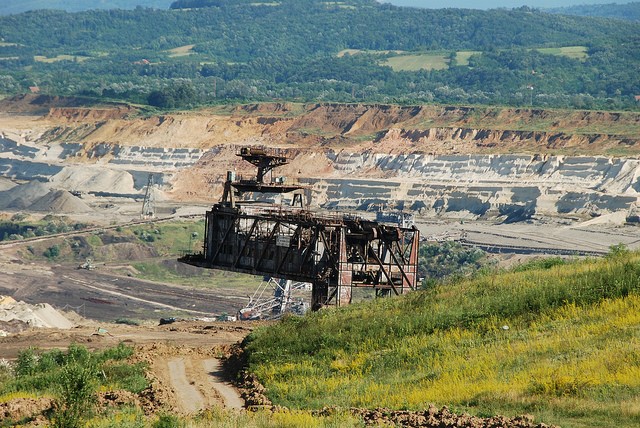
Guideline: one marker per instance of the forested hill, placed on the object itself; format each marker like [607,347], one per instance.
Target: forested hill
[629,11]
[312,50]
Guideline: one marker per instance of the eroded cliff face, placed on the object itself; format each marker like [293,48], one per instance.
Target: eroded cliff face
[514,187]
[438,161]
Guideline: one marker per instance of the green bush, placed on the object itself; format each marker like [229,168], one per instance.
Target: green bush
[41,372]
[118,353]
[449,260]
[543,263]
[51,360]
[168,421]
[127,376]
[26,363]
[52,252]
[76,386]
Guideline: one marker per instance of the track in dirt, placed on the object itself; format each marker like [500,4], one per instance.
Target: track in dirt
[105,297]
[199,382]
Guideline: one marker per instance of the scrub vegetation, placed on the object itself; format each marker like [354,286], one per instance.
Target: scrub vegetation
[73,378]
[557,340]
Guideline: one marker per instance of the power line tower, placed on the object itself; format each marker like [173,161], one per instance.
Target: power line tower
[148,205]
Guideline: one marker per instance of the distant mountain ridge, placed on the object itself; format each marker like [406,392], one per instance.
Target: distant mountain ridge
[628,11]
[9,7]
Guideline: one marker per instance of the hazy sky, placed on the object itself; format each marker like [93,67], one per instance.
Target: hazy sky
[492,4]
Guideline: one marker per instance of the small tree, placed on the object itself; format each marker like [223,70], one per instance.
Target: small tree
[76,394]
[26,363]
[618,250]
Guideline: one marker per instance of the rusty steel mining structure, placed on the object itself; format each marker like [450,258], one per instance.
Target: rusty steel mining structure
[335,252]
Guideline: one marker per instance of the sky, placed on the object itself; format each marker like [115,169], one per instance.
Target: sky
[492,4]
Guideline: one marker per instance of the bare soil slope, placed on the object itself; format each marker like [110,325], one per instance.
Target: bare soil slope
[288,125]
[307,133]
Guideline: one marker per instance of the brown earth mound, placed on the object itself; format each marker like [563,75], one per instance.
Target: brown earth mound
[60,201]
[443,418]
[90,114]
[13,326]
[21,197]
[24,410]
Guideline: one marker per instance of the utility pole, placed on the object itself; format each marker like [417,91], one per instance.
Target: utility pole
[148,205]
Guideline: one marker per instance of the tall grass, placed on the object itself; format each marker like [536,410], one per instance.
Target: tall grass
[560,342]
[222,418]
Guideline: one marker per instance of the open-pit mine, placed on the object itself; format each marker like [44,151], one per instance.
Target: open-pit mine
[515,181]
[519,182]
[503,166]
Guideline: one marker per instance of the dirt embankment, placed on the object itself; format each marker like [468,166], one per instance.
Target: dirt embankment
[191,151]
[379,128]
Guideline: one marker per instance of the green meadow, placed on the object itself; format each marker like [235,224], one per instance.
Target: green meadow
[560,342]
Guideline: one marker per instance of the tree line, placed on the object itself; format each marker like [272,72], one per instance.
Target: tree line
[248,51]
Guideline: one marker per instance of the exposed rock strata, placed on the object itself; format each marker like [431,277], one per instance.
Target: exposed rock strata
[453,161]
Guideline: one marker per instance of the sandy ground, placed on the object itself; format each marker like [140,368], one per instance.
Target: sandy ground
[592,235]
[182,357]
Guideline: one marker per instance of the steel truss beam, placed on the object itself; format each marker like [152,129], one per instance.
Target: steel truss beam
[333,253]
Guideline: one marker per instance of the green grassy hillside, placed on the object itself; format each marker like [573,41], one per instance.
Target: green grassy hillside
[561,343]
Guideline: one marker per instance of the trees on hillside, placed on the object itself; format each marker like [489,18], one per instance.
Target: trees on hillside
[290,49]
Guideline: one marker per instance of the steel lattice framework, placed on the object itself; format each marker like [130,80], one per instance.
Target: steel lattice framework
[333,253]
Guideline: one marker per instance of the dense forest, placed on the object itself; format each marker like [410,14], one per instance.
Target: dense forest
[311,50]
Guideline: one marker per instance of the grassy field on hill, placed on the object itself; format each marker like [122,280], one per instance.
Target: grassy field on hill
[561,342]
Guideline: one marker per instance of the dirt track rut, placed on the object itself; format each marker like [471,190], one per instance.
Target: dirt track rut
[199,383]
[229,394]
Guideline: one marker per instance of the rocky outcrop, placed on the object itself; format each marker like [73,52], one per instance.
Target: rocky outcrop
[515,187]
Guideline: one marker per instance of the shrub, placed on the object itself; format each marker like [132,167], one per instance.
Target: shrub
[168,421]
[26,363]
[42,372]
[18,217]
[618,250]
[52,252]
[118,353]
[76,386]
[544,263]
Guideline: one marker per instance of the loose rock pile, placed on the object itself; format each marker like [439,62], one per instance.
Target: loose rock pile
[18,316]
[443,418]
[37,196]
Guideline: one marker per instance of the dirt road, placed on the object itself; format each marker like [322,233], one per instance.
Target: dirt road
[198,382]
[191,374]
[182,358]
